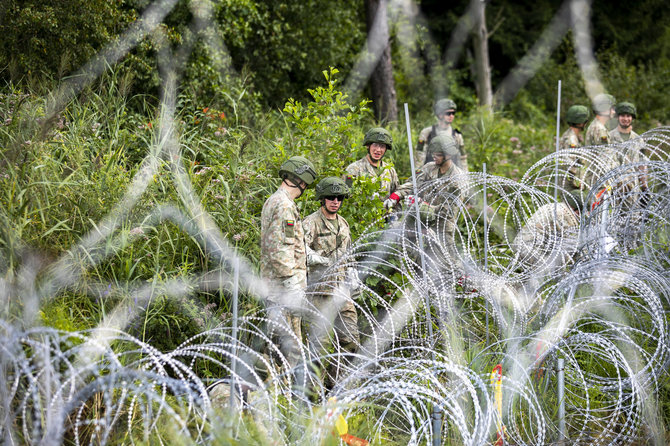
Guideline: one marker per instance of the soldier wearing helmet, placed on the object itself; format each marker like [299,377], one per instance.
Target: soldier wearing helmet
[327,239]
[445,111]
[625,113]
[603,107]
[283,257]
[377,141]
[633,152]
[549,237]
[446,157]
[576,118]
[438,204]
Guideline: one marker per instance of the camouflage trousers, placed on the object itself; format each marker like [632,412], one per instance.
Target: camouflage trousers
[336,322]
[344,328]
[284,330]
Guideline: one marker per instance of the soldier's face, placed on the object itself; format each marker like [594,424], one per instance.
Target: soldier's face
[377,151]
[625,120]
[438,157]
[333,204]
[448,116]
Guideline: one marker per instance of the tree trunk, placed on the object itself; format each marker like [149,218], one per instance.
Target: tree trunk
[384,100]
[481,47]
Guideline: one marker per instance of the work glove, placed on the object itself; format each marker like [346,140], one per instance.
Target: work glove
[292,283]
[391,201]
[316,259]
[353,280]
[426,211]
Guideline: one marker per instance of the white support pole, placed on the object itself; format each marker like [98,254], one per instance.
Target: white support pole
[437,412]
[486,246]
[233,365]
[558,136]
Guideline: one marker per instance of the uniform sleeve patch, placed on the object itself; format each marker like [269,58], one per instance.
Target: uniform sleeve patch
[289,230]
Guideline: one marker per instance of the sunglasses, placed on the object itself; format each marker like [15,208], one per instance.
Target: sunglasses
[449,113]
[335,197]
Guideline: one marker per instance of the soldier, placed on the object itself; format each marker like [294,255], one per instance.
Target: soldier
[283,257]
[443,201]
[446,156]
[603,107]
[625,113]
[445,111]
[327,238]
[377,141]
[550,233]
[576,118]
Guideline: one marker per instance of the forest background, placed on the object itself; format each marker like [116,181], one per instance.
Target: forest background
[282,80]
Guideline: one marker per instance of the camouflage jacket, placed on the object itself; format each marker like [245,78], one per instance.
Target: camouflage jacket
[570,140]
[283,255]
[386,173]
[327,238]
[596,134]
[429,133]
[616,136]
[444,195]
[548,236]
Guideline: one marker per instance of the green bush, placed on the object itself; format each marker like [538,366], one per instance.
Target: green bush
[55,38]
[508,148]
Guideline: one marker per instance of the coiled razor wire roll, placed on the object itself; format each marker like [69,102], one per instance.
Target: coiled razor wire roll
[592,289]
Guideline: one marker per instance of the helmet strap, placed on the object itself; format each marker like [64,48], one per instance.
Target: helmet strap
[293,183]
[372,160]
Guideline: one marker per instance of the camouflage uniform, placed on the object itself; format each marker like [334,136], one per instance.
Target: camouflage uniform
[570,140]
[436,198]
[283,258]
[429,133]
[545,237]
[596,134]
[443,199]
[331,239]
[617,137]
[630,185]
[386,173]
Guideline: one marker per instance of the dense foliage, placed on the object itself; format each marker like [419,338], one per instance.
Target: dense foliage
[257,87]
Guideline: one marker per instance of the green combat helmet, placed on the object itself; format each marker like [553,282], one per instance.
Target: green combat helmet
[443,105]
[626,108]
[300,167]
[330,186]
[380,136]
[577,114]
[444,144]
[603,103]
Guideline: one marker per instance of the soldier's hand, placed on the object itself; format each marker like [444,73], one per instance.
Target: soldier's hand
[292,283]
[316,259]
[352,279]
[391,201]
[410,199]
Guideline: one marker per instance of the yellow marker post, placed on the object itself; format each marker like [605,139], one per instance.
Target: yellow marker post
[342,428]
[496,383]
